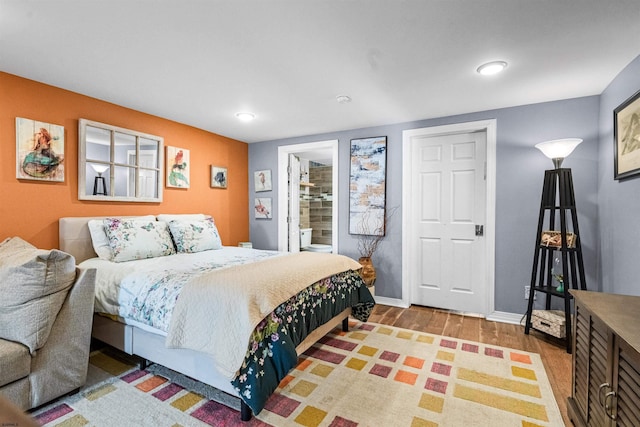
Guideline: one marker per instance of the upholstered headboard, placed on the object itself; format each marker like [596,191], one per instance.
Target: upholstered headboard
[74,237]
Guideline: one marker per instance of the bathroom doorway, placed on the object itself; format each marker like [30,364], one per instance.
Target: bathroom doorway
[317,192]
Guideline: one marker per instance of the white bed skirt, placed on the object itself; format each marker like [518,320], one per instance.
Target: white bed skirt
[199,366]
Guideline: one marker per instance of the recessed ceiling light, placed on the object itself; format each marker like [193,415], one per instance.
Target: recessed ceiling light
[491,68]
[245,117]
[343,99]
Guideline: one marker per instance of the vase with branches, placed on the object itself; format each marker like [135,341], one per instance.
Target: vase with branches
[373,232]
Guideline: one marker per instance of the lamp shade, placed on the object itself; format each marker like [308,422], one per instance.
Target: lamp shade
[99,168]
[558,149]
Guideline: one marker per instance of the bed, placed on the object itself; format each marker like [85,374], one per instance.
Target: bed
[200,313]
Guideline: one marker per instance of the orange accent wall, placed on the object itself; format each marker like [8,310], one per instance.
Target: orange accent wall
[30,209]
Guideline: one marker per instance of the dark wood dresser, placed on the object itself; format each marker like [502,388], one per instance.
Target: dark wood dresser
[606,360]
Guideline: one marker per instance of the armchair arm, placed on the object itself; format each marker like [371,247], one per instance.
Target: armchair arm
[60,366]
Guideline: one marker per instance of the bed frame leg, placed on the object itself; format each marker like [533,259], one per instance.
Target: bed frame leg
[345,324]
[143,364]
[245,411]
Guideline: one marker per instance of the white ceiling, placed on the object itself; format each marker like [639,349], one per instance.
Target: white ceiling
[199,62]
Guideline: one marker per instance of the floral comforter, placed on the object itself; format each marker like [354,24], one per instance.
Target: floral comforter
[272,348]
[147,290]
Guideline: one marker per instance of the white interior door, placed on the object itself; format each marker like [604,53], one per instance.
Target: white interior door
[447,217]
[294,203]
[147,178]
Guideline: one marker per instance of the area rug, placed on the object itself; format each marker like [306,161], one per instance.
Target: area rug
[373,375]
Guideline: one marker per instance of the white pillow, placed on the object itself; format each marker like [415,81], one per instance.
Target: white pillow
[182,217]
[99,238]
[138,239]
[195,236]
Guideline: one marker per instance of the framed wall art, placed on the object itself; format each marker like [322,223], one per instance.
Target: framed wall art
[262,208]
[367,186]
[39,150]
[262,180]
[178,163]
[218,177]
[626,135]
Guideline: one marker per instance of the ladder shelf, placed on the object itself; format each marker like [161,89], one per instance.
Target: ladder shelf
[558,259]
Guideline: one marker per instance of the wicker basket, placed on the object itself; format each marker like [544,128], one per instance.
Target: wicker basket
[554,239]
[551,322]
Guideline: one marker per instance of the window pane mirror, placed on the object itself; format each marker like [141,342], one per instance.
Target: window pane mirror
[116,164]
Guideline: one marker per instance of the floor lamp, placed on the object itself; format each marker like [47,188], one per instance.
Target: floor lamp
[558,203]
[99,185]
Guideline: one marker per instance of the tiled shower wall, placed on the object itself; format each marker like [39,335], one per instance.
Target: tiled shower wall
[316,205]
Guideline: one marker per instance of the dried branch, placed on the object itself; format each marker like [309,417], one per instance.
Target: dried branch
[369,240]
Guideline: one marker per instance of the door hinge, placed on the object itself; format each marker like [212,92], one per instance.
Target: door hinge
[479,230]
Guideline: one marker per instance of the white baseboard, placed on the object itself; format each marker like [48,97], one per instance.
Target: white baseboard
[393,302]
[496,316]
[505,317]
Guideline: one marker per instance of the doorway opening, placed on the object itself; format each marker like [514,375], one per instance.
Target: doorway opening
[313,187]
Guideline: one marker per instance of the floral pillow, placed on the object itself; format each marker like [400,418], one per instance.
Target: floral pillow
[195,236]
[137,239]
[99,238]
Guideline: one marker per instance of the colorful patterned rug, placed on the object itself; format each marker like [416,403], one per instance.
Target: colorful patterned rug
[373,375]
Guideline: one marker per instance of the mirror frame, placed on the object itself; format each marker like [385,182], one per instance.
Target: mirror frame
[82,163]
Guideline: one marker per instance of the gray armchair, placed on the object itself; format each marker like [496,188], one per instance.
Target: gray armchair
[46,311]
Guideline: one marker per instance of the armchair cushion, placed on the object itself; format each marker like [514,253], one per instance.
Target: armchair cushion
[33,283]
[15,362]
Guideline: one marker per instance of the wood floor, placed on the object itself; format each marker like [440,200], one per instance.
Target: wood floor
[555,358]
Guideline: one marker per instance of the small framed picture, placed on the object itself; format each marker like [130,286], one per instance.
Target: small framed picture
[178,167]
[626,135]
[39,150]
[218,177]
[262,208]
[262,180]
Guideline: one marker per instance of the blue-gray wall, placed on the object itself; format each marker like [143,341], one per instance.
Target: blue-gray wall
[618,201]
[520,171]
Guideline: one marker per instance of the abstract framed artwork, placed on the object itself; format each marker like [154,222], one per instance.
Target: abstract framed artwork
[218,177]
[262,208]
[262,180]
[39,150]
[367,186]
[178,163]
[626,135]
